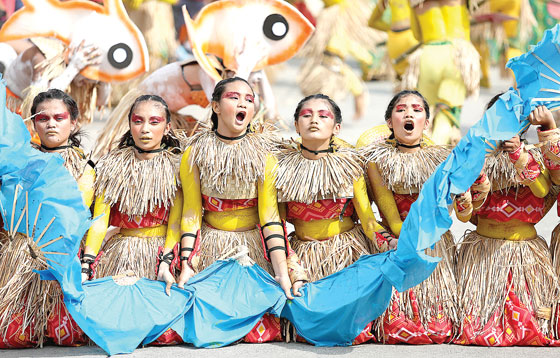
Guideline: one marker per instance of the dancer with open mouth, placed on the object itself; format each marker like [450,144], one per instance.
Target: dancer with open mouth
[398,164]
[137,191]
[32,310]
[227,193]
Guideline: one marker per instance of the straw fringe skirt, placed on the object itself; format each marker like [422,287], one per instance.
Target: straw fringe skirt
[321,258]
[426,313]
[215,244]
[25,300]
[124,253]
[507,289]
[555,253]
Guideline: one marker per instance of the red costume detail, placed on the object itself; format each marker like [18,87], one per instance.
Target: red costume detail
[319,210]
[532,168]
[159,216]
[267,329]
[398,328]
[17,338]
[404,202]
[517,326]
[518,204]
[168,338]
[215,204]
[62,328]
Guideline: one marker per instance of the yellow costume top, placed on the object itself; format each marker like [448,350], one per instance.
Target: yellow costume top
[146,204]
[319,193]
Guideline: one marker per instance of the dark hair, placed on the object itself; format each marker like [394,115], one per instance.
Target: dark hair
[169,140]
[493,100]
[334,107]
[396,98]
[219,91]
[71,105]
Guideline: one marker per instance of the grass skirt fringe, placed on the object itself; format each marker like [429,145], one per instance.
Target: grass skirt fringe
[500,278]
[23,296]
[214,244]
[426,313]
[321,258]
[124,253]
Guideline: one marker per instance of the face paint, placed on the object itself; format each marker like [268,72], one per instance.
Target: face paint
[231,95]
[250,98]
[137,119]
[418,107]
[305,112]
[326,113]
[401,107]
[156,119]
[41,117]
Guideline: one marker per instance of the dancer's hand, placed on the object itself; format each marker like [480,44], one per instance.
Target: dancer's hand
[165,276]
[511,145]
[296,286]
[286,285]
[83,56]
[186,273]
[542,116]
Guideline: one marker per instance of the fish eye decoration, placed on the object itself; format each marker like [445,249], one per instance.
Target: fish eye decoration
[275,27]
[120,56]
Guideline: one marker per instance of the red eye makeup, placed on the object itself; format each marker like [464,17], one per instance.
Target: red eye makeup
[136,118]
[418,107]
[41,117]
[305,112]
[400,106]
[231,95]
[250,98]
[156,119]
[326,113]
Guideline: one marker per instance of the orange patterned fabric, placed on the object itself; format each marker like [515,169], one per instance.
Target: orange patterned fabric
[62,328]
[157,217]
[515,325]
[319,210]
[216,204]
[404,202]
[399,328]
[518,204]
[15,336]
[267,329]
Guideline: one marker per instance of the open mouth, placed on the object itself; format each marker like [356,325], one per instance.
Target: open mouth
[409,126]
[240,116]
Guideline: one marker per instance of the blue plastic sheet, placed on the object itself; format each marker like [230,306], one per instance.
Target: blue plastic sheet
[229,299]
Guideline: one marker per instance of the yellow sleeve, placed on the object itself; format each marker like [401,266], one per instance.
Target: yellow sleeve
[363,209]
[98,229]
[174,223]
[86,185]
[541,186]
[384,199]
[376,18]
[415,26]
[191,216]
[268,195]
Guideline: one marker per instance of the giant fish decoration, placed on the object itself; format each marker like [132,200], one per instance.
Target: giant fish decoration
[228,27]
[108,27]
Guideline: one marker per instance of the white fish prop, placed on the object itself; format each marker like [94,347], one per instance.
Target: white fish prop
[247,34]
[108,27]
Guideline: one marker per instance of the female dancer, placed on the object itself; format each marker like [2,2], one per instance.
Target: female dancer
[223,174]
[321,185]
[397,168]
[447,69]
[137,190]
[31,309]
[507,286]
